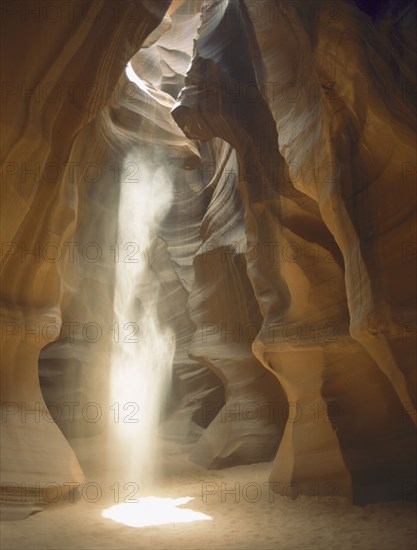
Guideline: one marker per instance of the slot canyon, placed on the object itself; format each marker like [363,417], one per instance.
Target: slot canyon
[208,277]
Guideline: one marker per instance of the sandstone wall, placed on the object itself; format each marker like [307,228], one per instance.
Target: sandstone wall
[285,263]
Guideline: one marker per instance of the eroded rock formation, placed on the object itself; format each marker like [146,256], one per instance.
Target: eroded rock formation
[336,289]
[285,263]
[48,98]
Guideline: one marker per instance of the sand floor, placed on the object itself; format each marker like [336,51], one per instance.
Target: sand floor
[252,517]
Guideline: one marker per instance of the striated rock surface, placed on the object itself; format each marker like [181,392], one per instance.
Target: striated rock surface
[334,313]
[285,263]
[49,98]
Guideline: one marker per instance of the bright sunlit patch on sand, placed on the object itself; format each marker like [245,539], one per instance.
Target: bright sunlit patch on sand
[153,511]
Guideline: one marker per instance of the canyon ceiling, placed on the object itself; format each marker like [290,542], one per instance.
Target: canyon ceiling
[285,262]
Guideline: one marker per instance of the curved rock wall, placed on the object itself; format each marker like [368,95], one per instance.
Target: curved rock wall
[286,262]
[323,190]
[49,98]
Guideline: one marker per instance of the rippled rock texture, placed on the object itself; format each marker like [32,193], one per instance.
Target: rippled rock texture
[328,136]
[285,262]
[54,89]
